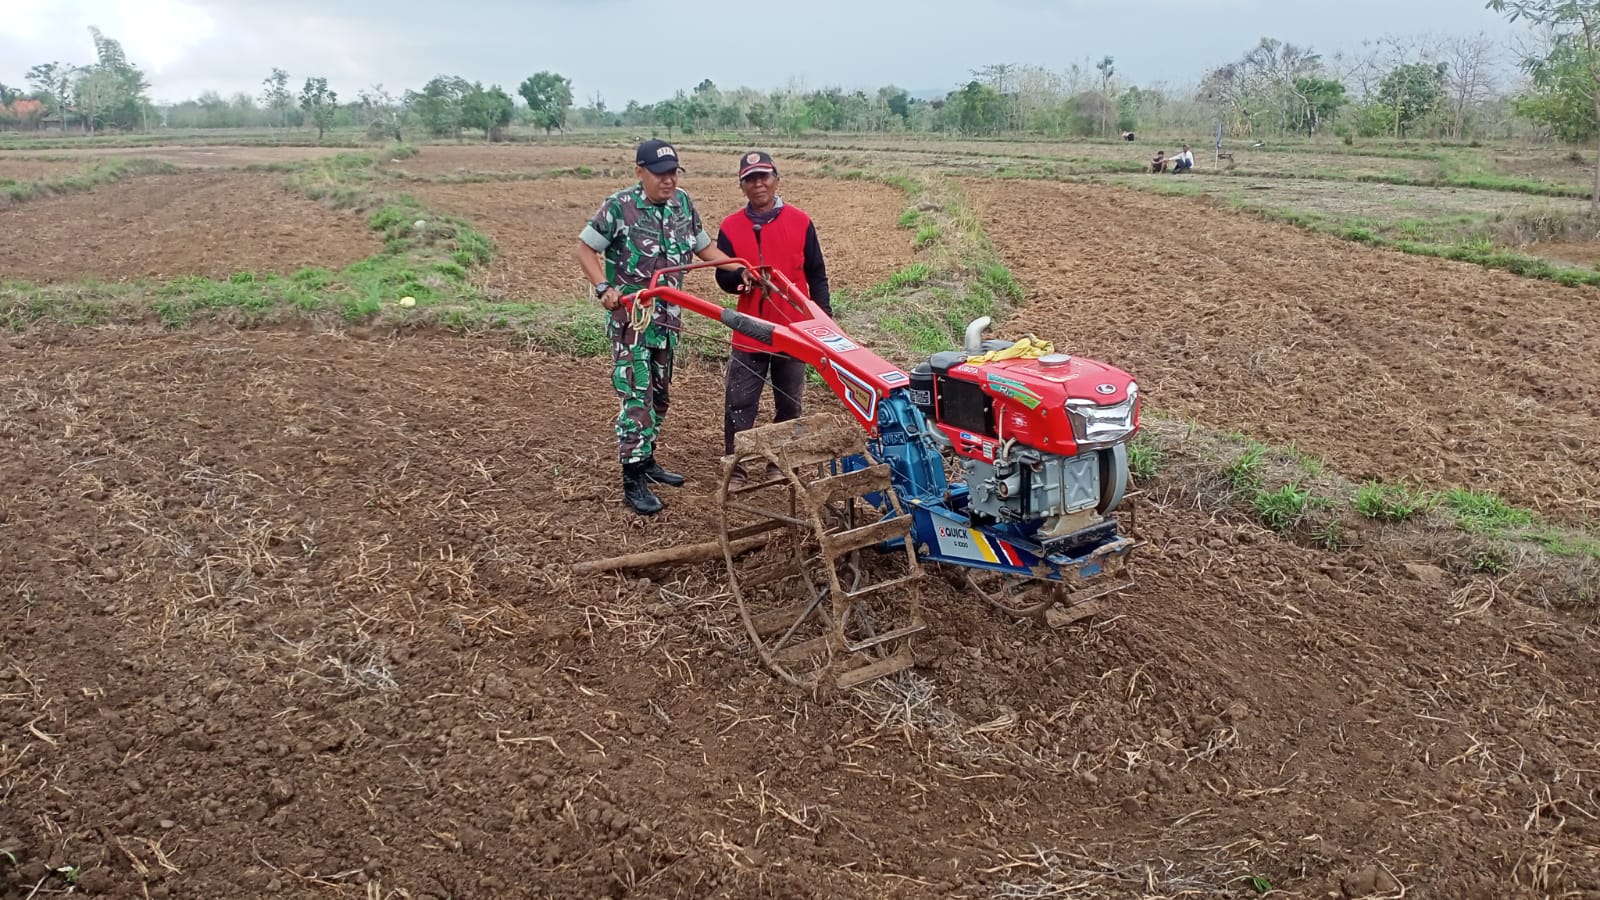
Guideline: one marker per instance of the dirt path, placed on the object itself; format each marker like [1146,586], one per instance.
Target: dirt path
[162,227]
[1383,364]
[291,614]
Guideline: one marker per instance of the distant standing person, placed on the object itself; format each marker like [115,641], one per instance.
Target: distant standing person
[636,232]
[1184,161]
[788,243]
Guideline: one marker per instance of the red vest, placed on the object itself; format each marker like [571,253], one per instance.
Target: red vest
[783,247]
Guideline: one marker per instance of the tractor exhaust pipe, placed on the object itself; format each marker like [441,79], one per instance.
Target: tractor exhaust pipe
[974,340]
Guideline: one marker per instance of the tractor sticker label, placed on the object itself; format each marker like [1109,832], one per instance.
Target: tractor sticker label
[1020,394]
[894,377]
[858,394]
[963,543]
[958,542]
[970,444]
[833,340]
[1000,383]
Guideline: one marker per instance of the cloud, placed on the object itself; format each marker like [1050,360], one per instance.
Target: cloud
[634,49]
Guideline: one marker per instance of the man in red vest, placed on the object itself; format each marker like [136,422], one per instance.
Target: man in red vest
[786,241]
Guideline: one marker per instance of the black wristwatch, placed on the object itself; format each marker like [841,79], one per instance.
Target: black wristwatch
[601,288]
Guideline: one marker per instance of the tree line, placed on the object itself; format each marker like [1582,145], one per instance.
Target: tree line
[1456,88]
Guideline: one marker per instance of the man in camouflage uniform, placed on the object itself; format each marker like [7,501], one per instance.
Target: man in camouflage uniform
[636,232]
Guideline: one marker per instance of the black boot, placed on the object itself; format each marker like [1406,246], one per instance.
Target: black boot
[654,472]
[636,489]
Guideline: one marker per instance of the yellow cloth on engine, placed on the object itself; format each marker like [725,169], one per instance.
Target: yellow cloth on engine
[1028,347]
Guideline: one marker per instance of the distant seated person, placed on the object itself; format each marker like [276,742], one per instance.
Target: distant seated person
[1127,135]
[1184,161]
[1159,164]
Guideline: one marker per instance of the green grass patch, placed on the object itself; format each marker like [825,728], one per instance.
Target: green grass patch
[1562,542]
[1479,513]
[1145,458]
[1247,473]
[1283,509]
[909,276]
[918,336]
[1000,282]
[910,218]
[1390,502]
[927,235]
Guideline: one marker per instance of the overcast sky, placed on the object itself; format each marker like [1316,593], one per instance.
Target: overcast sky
[625,49]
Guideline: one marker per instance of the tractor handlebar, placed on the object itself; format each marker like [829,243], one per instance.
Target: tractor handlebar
[857,375]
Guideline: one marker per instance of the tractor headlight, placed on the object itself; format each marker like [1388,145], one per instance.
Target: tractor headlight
[1096,426]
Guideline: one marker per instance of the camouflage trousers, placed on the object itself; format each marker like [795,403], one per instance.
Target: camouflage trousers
[642,376]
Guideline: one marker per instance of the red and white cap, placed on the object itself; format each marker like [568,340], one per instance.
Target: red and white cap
[756,161]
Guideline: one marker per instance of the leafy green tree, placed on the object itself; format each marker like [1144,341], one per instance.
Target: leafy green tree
[828,109]
[319,103]
[898,100]
[695,113]
[1411,93]
[118,86]
[671,113]
[636,114]
[276,96]
[1567,76]
[1320,99]
[758,116]
[549,96]
[52,84]
[1558,99]
[439,106]
[386,113]
[975,109]
[489,110]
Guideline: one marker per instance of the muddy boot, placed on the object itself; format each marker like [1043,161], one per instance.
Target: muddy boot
[636,489]
[654,472]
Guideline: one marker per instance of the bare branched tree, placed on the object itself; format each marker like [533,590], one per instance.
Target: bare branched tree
[1470,64]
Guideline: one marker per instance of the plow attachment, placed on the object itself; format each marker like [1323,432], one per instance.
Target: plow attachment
[818,613]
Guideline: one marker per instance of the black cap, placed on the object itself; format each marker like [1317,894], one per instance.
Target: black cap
[659,157]
[756,161]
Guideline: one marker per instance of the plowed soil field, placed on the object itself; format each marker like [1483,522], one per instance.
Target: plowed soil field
[1385,365]
[16,168]
[292,614]
[211,224]
[535,226]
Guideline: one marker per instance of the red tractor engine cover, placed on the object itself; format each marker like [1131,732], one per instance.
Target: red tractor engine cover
[981,406]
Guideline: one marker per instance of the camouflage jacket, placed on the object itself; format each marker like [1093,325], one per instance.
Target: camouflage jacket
[637,238]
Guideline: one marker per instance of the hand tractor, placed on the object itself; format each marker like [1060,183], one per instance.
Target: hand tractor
[1036,441]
